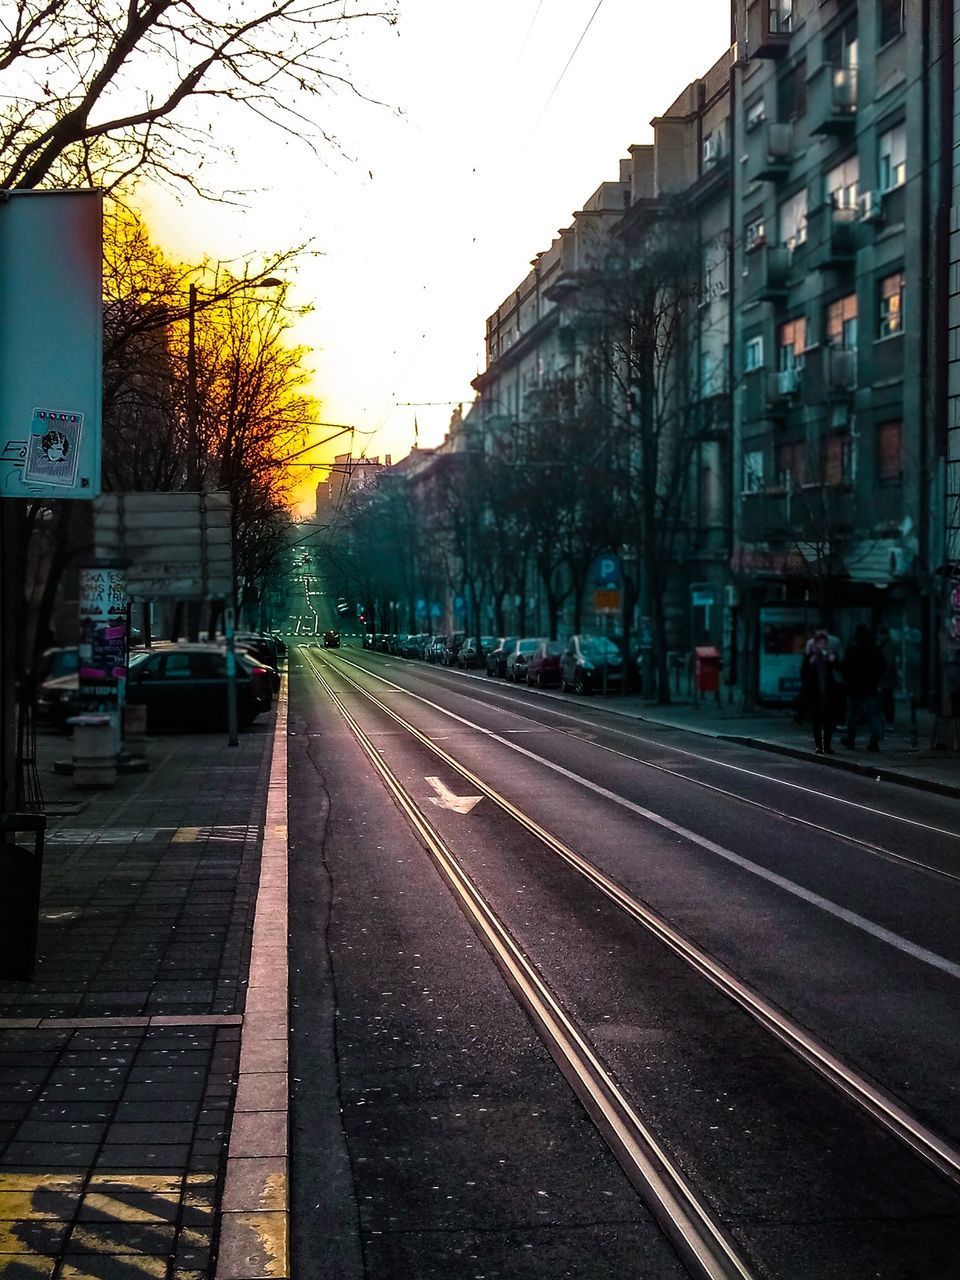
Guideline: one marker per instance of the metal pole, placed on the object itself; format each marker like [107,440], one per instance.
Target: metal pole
[229,623]
[193,426]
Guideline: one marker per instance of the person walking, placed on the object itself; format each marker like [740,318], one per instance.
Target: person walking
[863,667]
[818,682]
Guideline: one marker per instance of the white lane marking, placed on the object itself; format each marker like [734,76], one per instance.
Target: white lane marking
[446,799]
[694,755]
[790,886]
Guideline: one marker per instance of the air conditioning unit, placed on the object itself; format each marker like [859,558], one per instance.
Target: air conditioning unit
[870,206]
[711,150]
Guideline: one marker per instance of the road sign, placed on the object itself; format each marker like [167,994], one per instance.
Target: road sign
[51,356]
[606,602]
[175,546]
[606,572]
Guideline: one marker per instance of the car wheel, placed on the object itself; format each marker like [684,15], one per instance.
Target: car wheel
[580,684]
[539,679]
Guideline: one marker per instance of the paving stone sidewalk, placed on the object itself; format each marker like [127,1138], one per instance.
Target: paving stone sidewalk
[119,1060]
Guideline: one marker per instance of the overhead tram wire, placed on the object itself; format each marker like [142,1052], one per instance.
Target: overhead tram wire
[566,68]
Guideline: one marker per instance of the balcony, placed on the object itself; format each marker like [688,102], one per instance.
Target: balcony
[834,236]
[783,387]
[831,374]
[832,99]
[769,23]
[776,151]
[768,268]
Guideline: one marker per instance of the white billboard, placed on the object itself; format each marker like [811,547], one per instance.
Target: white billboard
[51,344]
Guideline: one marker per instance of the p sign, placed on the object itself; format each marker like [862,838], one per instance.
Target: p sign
[606,572]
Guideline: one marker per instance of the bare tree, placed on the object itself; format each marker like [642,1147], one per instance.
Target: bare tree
[94,93]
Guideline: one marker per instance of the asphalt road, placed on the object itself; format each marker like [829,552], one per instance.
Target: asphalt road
[433,1134]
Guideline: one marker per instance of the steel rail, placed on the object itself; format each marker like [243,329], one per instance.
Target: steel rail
[700,1241]
[873,1099]
[889,855]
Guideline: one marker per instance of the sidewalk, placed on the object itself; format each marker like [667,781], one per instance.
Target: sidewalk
[119,1061]
[773,729]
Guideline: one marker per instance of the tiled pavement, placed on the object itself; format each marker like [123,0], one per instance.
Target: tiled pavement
[119,1062]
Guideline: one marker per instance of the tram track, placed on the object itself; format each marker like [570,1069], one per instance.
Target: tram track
[870,1097]
[700,1240]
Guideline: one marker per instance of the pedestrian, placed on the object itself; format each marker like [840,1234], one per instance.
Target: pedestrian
[863,667]
[818,682]
[888,679]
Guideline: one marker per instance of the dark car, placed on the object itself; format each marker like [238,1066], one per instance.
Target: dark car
[435,648]
[590,664]
[543,665]
[367,641]
[58,687]
[410,646]
[185,685]
[516,665]
[496,660]
[331,639]
[470,656]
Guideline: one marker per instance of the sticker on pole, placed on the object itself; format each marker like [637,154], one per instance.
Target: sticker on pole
[53,448]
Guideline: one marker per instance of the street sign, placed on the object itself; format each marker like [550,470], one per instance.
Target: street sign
[606,572]
[606,602]
[175,546]
[51,356]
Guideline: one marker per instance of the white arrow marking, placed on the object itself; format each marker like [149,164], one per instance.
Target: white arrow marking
[447,800]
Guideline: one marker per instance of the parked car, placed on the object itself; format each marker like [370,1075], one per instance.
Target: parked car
[58,687]
[470,656]
[185,685]
[409,647]
[515,667]
[263,647]
[380,642]
[331,639]
[435,649]
[367,641]
[543,665]
[257,653]
[588,663]
[496,659]
[452,648]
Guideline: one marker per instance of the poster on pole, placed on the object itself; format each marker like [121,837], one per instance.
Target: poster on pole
[103,640]
[51,356]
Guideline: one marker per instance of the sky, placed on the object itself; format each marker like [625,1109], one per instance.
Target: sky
[485,138]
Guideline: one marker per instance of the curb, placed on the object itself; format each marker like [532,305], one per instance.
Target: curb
[254,1215]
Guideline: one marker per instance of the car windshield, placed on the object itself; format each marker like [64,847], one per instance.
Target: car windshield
[528,646]
[599,648]
[65,662]
[138,659]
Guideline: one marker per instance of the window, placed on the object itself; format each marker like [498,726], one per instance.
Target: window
[753,354]
[793,220]
[890,452]
[755,114]
[842,323]
[780,16]
[753,471]
[791,343]
[838,458]
[209,666]
[840,47]
[792,93]
[893,157]
[891,305]
[791,465]
[842,184]
[754,234]
[177,666]
[891,20]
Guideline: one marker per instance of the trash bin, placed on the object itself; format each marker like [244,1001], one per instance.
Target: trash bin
[94,751]
[21,868]
[708,669]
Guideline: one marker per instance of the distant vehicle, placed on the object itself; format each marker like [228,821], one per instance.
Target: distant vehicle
[58,687]
[543,665]
[515,668]
[470,656]
[185,685]
[435,649]
[380,642]
[331,639]
[409,647]
[590,663]
[496,659]
[367,641]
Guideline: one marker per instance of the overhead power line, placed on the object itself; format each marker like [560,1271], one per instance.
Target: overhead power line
[566,68]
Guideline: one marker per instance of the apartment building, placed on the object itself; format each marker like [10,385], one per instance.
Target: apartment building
[837,423]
